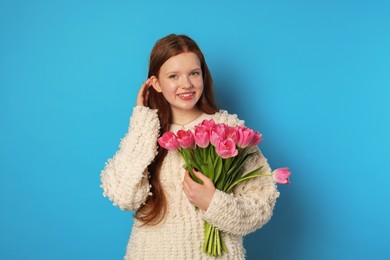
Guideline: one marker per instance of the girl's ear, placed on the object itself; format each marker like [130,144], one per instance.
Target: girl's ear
[156,84]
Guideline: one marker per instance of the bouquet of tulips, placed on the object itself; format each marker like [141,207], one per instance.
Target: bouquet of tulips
[220,152]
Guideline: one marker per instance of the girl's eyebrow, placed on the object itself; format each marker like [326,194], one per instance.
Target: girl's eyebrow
[175,72]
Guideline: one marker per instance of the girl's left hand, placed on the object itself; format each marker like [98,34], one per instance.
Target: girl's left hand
[199,195]
[143,93]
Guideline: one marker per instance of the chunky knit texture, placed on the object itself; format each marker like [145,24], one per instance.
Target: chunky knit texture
[180,234]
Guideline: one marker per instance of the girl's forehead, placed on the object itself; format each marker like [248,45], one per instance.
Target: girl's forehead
[186,60]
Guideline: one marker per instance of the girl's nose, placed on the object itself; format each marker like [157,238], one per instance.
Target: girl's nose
[187,83]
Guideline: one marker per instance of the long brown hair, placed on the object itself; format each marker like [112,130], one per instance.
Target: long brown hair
[155,208]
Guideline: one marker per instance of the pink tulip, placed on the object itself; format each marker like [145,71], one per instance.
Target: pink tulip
[245,136]
[202,136]
[185,138]
[257,138]
[226,148]
[217,134]
[168,141]
[209,124]
[281,175]
[231,132]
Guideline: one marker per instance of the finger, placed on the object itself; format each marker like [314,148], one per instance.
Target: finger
[146,98]
[145,86]
[201,176]
[187,179]
[141,98]
[186,189]
[148,84]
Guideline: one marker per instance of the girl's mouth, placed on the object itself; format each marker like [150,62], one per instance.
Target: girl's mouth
[186,96]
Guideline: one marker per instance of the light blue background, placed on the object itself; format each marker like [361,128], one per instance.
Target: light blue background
[312,76]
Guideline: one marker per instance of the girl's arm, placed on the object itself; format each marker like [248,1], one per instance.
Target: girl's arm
[125,176]
[249,206]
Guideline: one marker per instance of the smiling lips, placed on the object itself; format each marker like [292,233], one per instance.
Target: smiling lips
[186,95]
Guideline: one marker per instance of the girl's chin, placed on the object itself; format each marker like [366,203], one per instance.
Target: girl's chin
[187,106]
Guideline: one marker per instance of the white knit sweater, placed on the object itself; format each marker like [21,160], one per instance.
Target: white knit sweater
[180,234]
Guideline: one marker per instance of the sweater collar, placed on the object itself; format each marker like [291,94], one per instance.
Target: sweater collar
[190,125]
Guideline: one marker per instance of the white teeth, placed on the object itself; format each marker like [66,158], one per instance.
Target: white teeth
[186,95]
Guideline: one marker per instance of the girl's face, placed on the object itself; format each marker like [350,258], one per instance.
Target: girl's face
[180,81]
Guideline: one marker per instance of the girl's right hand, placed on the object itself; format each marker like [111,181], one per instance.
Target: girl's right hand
[199,195]
[143,94]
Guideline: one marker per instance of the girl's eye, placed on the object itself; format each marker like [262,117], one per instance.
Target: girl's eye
[195,73]
[173,76]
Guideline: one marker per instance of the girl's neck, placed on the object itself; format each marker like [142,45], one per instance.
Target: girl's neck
[185,117]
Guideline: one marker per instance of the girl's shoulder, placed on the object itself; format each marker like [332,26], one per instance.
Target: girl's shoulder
[223,116]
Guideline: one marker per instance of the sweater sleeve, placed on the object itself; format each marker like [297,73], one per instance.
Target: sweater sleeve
[125,176]
[249,206]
